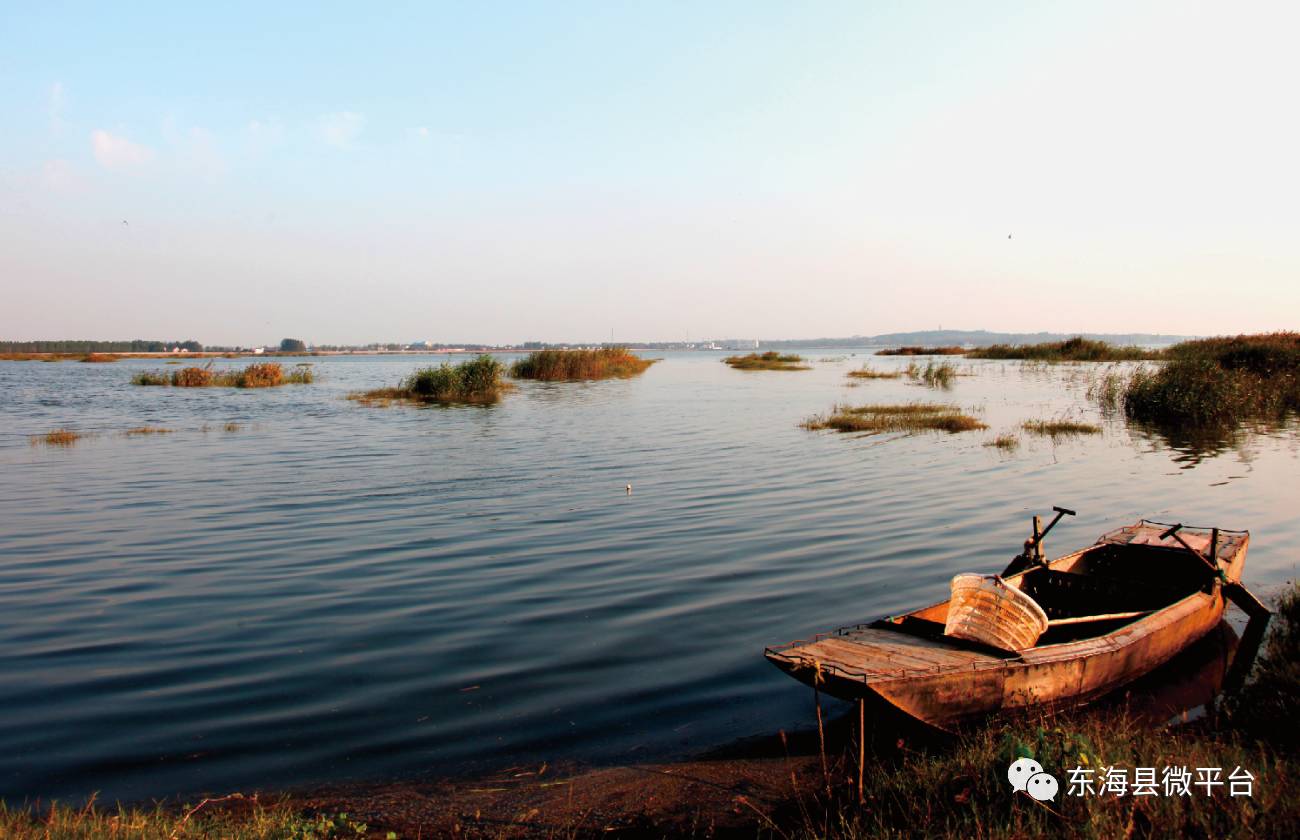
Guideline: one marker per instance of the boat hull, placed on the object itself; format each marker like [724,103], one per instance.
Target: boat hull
[945,685]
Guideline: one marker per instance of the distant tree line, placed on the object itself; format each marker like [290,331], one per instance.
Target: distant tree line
[139,345]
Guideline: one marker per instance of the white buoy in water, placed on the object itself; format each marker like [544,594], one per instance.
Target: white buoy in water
[629,489]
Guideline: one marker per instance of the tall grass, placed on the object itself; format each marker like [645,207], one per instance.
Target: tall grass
[771,360]
[477,381]
[932,375]
[906,417]
[571,365]
[1219,382]
[1078,349]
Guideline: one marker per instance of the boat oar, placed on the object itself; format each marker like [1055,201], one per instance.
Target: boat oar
[1234,591]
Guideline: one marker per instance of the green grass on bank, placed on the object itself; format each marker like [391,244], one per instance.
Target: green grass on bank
[231,817]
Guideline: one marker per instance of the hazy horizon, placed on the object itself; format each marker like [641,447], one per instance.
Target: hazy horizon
[539,172]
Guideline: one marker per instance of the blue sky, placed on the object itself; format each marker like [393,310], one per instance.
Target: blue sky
[515,171]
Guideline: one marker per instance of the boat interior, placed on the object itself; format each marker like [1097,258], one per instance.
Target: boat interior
[1088,594]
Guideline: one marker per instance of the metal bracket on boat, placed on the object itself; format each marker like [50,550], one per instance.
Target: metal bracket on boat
[1234,590]
[1032,555]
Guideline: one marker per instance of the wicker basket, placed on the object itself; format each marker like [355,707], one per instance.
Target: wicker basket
[993,612]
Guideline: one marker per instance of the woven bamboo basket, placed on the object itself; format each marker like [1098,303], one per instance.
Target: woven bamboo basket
[993,612]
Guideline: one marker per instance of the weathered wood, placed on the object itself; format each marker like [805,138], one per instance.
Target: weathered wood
[942,683]
[1087,619]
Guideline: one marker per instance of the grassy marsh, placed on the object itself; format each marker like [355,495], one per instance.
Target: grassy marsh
[573,365]
[905,417]
[922,351]
[259,375]
[771,360]
[1078,349]
[478,381]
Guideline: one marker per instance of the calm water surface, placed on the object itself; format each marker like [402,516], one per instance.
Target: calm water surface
[336,592]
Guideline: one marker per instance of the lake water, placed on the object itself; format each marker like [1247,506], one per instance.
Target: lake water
[335,592]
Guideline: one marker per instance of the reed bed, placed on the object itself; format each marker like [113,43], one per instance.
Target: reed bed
[906,417]
[479,381]
[771,360]
[1219,382]
[868,372]
[142,431]
[922,351]
[1078,349]
[575,365]
[1059,428]
[98,358]
[259,375]
[58,437]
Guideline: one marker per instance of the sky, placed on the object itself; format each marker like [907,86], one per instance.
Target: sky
[514,171]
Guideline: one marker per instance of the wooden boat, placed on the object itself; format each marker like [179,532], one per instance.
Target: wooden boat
[1116,610]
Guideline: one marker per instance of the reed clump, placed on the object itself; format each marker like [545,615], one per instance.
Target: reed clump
[771,360]
[1077,349]
[259,375]
[141,431]
[573,365]
[912,350]
[906,417]
[868,372]
[1219,382]
[933,375]
[1060,428]
[479,381]
[1005,442]
[58,437]
[98,358]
